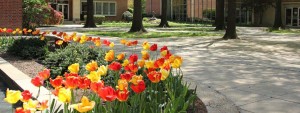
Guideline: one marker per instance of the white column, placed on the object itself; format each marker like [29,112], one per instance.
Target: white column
[193,10]
[76,9]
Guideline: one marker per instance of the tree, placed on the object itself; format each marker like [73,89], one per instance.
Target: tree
[164,8]
[220,15]
[231,21]
[89,22]
[259,6]
[278,20]
[137,21]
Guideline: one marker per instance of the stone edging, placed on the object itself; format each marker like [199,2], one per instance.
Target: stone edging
[18,80]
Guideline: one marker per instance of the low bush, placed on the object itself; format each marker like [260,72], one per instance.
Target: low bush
[28,48]
[55,17]
[127,16]
[5,43]
[99,19]
[59,60]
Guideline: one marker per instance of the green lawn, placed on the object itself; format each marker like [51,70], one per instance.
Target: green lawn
[285,31]
[150,34]
[152,24]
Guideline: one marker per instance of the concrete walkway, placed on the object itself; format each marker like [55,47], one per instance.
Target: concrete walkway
[258,74]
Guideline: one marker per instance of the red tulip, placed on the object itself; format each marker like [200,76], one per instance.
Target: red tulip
[107,93]
[37,81]
[9,30]
[133,58]
[21,110]
[153,47]
[115,66]
[127,76]
[57,82]
[140,87]
[106,42]
[122,95]
[84,82]
[26,95]
[131,67]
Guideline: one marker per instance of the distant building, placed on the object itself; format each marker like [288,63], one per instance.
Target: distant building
[183,10]
[76,9]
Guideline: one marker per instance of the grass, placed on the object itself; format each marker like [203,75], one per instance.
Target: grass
[154,23]
[285,31]
[150,34]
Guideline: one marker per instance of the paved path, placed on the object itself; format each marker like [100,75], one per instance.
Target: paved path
[258,74]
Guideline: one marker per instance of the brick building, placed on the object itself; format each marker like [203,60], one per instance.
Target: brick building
[76,9]
[11,13]
[183,9]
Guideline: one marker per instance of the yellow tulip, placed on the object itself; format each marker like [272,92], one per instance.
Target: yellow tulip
[102,70]
[74,68]
[84,106]
[83,39]
[163,53]
[122,84]
[177,62]
[146,46]
[125,62]
[149,64]
[110,55]
[14,32]
[111,45]
[64,95]
[42,38]
[30,105]
[94,76]
[92,66]
[20,32]
[12,96]
[135,79]
[165,74]
[18,29]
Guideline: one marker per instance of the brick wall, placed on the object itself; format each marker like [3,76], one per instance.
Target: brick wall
[11,13]
[122,6]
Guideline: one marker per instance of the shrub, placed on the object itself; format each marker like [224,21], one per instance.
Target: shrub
[35,12]
[59,60]
[127,16]
[211,14]
[5,43]
[130,10]
[28,48]
[98,19]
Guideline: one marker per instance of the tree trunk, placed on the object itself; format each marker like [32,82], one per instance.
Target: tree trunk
[220,15]
[164,7]
[231,21]
[89,22]
[137,21]
[278,19]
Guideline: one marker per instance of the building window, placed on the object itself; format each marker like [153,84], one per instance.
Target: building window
[105,8]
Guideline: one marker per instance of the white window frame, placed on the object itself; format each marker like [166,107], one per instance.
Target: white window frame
[109,2]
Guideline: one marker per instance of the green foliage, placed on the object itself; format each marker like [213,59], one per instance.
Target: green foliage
[28,48]
[99,19]
[35,12]
[211,14]
[5,43]
[130,10]
[59,60]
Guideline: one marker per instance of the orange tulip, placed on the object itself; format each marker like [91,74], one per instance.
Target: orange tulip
[122,95]
[141,63]
[131,67]
[92,66]
[110,56]
[154,76]
[42,105]
[45,74]
[121,56]
[96,86]
[59,42]
[84,82]
[21,110]
[115,66]
[145,55]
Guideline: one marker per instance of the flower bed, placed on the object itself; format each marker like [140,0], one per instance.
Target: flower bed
[119,82]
